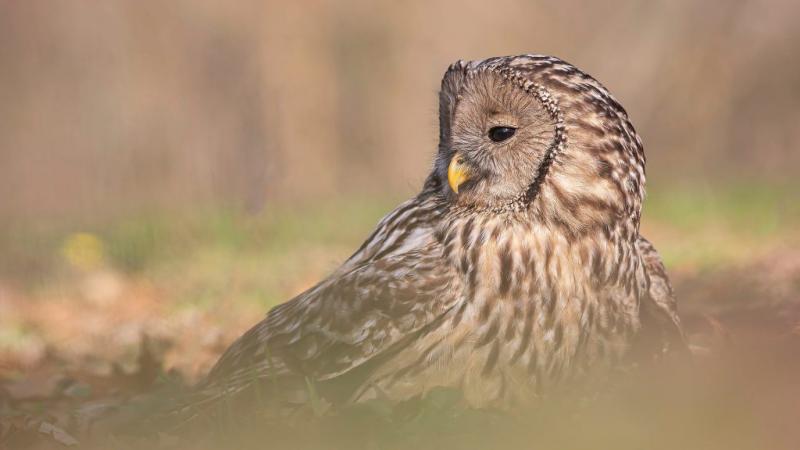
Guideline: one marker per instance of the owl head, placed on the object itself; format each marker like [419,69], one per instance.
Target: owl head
[534,134]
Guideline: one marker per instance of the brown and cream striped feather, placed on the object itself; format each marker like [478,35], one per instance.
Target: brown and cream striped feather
[533,275]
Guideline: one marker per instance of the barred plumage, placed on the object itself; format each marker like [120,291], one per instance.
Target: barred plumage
[525,269]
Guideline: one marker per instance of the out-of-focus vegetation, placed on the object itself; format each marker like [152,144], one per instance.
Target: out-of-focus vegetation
[137,105]
[706,226]
[272,255]
[172,170]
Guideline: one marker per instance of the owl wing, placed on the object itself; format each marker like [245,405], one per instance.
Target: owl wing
[342,323]
[660,319]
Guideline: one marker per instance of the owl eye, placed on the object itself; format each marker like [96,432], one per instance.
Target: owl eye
[500,134]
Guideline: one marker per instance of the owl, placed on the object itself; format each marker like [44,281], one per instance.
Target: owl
[518,266]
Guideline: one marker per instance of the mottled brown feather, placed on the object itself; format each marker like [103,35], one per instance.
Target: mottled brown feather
[533,273]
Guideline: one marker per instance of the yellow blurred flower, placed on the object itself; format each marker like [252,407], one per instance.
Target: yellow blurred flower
[83,251]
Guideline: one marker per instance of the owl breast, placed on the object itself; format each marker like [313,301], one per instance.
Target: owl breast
[536,311]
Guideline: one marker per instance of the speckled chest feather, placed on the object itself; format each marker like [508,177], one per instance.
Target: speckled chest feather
[536,308]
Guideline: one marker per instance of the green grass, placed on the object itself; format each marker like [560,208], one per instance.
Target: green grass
[202,256]
[707,227]
[758,210]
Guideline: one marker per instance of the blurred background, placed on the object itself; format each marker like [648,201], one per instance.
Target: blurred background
[114,109]
[173,169]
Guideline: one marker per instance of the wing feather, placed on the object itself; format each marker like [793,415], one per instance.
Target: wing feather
[341,323]
[659,307]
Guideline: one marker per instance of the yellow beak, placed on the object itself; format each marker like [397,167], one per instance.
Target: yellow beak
[457,172]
